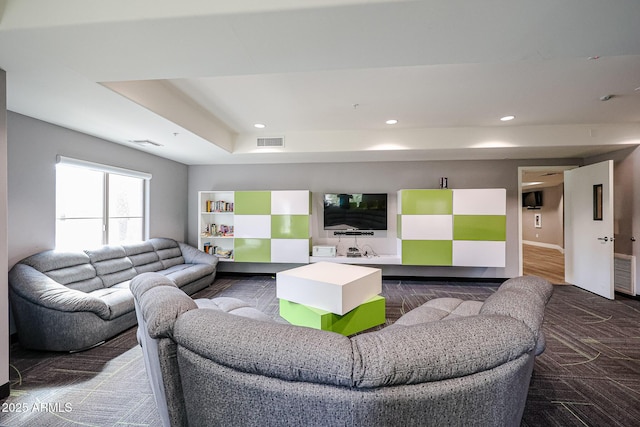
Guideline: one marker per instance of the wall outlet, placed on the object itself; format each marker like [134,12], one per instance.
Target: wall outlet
[537,235]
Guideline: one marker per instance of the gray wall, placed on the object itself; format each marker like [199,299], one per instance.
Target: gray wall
[32,149]
[386,177]
[626,199]
[552,214]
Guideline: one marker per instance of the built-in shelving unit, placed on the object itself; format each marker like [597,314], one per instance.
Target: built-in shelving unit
[216,223]
[256,226]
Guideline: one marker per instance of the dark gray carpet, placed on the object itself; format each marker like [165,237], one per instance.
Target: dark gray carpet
[588,376]
[590,373]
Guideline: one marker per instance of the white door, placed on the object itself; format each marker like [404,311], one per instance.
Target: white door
[588,200]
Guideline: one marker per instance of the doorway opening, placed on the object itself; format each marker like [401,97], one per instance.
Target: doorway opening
[541,219]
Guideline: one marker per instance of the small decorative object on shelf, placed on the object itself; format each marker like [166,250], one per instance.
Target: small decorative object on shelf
[213,230]
[221,230]
[223,253]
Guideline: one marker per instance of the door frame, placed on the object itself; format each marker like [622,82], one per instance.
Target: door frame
[521,170]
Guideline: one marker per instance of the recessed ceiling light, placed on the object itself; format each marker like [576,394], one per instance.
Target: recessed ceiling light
[259,126]
[391,122]
[507,118]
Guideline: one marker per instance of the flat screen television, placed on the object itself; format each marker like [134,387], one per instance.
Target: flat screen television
[355,211]
[532,199]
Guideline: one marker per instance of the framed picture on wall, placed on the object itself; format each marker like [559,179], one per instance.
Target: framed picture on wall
[537,220]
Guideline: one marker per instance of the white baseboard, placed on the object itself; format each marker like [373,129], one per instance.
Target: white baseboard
[544,245]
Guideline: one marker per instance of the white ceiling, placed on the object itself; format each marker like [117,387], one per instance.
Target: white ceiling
[539,177]
[194,76]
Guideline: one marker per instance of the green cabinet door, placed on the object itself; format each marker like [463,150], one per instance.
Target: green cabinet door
[252,250]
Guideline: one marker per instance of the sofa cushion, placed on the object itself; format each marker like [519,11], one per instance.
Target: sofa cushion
[168,251]
[118,300]
[233,306]
[112,264]
[251,313]
[73,269]
[143,256]
[225,304]
[439,309]
[122,285]
[291,353]
[183,274]
[80,277]
[53,260]
[170,257]
[438,350]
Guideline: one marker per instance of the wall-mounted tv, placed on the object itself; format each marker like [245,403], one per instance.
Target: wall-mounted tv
[532,199]
[355,211]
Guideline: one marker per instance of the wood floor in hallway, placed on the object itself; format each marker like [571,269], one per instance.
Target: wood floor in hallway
[544,262]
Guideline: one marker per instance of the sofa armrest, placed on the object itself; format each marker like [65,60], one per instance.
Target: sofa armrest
[523,298]
[39,289]
[192,255]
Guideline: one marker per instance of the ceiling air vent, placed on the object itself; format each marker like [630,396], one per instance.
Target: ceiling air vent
[145,142]
[270,142]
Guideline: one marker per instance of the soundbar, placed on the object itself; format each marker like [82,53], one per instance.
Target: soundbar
[353,233]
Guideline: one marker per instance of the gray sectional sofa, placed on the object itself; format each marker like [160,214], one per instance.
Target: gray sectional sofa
[71,301]
[448,362]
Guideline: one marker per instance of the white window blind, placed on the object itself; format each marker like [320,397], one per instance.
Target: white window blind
[101,168]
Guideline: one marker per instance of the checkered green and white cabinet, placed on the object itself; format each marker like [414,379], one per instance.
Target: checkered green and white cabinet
[459,227]
[272,226]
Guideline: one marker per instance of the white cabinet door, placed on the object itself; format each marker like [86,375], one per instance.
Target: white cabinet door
[252,226]
[295,202]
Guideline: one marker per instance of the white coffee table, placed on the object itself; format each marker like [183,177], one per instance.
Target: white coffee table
[336,288]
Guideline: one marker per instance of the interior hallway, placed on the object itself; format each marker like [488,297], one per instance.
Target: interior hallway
[544,262]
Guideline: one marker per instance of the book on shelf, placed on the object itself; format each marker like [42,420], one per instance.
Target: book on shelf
[219,206]
[218,251]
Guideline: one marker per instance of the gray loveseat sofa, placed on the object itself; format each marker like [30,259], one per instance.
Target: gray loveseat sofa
[448,362]
[70,301]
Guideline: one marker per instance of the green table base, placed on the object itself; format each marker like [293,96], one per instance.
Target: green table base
[367,315]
